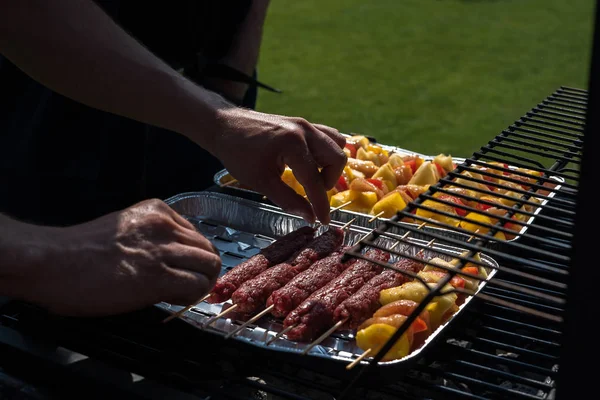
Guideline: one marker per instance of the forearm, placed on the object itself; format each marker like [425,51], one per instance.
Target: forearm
[74,48]
[245,49]
[24,249]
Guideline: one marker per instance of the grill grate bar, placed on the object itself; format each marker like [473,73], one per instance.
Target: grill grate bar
[565,103]
[574,90]
[502,220]
[568,99]
[505,375]
[539,330]
[576,119]
[490,251]
[500,141]
[506,333]
[523,353]
[545,105]
[492,359]
[491,292]
[540,125]
[573,144]
[526,295]
[547,121]
[558,117]
[478,383]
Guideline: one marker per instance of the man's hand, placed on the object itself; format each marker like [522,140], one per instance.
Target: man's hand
[255,148]
[124,261]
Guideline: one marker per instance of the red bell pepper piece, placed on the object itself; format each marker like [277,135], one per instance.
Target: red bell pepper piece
[377,182]
[483,207]
[412,164]
[440,170]
[455,200]
[457,281]
[342,184]
[418,325]
[352,149]
[471,270]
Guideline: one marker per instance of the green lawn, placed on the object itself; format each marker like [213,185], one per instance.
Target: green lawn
[427,75]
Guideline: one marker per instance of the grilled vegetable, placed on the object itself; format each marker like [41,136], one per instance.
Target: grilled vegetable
[427,174]
[390,205]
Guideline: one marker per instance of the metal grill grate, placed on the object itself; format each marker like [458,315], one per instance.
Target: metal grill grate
[521,310]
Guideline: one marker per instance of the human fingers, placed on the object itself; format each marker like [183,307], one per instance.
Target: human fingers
[330,157]
[191,237]
[306,171]
[333,133]
[183,287]
[183,257]
[286,197]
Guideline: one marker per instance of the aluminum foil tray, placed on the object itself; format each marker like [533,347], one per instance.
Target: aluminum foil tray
[239,228]
[365,220]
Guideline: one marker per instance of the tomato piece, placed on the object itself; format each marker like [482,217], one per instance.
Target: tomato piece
[352,149]
[412,164]
[471,270]
[418,325]
[377,182]
[455,200]
[342,184]
[457,281]
[483,207]
[440,170]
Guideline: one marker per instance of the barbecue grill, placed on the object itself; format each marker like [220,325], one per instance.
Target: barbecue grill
[519,338]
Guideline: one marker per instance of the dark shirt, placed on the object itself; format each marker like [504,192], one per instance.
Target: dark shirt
[63,163]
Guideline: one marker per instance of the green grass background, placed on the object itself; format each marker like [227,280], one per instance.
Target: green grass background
[426,75]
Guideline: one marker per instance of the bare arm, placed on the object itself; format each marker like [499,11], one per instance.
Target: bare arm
[120,262]
[77,50]
[74,48]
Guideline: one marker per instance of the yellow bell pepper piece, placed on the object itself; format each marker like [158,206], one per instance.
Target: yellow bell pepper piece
[339,198]
[472,226]
[375,336]
[390,185]
[289,179]
[359,141]
[412,290]
[390,205]
[438,217]
[331,193]
[377,149]
[439,306]
[364,155]
[362,202]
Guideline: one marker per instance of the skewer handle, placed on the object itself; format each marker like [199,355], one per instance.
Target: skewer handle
[358,359]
